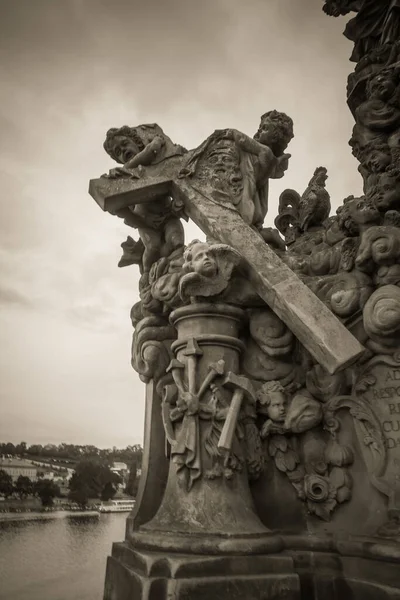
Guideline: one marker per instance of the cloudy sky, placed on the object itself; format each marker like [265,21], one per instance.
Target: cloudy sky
[70,69]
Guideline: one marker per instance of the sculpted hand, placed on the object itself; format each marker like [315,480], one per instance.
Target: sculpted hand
[282,164]
[225,133]
[117,172]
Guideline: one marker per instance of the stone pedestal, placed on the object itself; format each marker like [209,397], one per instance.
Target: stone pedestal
[133,574]
[210,505]
[205,540]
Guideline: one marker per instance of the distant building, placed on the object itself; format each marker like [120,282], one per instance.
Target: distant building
[16,467]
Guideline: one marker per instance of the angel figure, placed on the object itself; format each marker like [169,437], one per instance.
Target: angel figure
[161,231]
[207,269]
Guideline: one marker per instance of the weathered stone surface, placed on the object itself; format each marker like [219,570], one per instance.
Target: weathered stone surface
[156,576]
[154,464]
[310,321]
[271,419]
[379,384]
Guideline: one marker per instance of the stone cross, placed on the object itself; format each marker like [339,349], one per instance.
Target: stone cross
[314,325]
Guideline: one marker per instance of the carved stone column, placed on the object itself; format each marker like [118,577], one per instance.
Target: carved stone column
[206,539]
[206,494]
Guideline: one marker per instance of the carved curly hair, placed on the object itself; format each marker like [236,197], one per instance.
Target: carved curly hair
[284,126]
[187,255]
[270,387]
[124,131]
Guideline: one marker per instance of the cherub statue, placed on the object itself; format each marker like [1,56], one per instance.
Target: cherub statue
[273,402]
[160,230]
[207,269]
[284,414]
[238,167]
[385,195]
[139,146]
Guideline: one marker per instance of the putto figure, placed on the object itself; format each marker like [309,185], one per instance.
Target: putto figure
[160,230]
[207,269]
[139,146]
[273,403]
[237,168]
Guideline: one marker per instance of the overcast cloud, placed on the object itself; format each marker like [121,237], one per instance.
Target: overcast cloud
[70,69]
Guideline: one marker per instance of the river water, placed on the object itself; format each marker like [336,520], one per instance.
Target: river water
[57,559]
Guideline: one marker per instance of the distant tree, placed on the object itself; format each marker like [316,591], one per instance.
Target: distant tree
[20,448]
[35,450]
[80,495]
[23,486]
[47,490]
[6,484]
[72,452]
[108,491]
[8,448]
[91,478]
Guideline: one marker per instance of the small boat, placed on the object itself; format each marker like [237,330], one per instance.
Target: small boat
[117,506]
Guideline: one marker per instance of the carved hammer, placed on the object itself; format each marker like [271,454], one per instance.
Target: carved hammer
[214,369]
[241,387]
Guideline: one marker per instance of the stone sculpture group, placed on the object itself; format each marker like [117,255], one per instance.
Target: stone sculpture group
[271,356]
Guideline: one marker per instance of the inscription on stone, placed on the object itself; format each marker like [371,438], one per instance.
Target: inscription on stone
[383,393]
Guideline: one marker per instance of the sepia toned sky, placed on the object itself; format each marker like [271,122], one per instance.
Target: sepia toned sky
[69,70]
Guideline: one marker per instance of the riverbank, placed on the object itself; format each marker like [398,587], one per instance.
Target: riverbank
[45,515]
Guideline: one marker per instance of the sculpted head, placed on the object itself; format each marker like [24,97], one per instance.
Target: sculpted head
[272,396]
[206,270]
[382,86]
[386,194]
[275,131]
[376,157]
[123,143]
[355,212]
[199,259]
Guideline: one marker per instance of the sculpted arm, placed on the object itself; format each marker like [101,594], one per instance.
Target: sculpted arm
[269,164]
[248,144]
[147,155]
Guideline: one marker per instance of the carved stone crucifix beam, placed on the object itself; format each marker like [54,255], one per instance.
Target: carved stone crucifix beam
[314,325]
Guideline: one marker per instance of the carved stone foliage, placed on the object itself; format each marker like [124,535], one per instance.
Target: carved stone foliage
[315,464]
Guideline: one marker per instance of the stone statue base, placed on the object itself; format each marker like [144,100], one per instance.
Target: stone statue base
[308,568]
[140,575]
